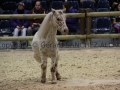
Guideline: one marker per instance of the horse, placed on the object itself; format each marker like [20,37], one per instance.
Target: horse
[45,44]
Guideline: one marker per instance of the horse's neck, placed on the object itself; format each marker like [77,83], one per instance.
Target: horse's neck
[51,36]
[46,28]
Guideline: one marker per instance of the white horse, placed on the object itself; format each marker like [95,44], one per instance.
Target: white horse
[45,44]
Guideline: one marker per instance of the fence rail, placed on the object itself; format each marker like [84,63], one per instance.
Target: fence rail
[36,16]
[100,14]
[70,15]
[63,37]
[85,16]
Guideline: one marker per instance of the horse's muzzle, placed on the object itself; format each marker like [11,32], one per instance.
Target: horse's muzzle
[65,31]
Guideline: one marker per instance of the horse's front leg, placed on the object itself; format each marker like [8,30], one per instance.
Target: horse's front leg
[53,70]
[43,68]
[57,73]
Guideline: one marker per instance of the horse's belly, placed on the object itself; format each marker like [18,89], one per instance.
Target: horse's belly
[49,52]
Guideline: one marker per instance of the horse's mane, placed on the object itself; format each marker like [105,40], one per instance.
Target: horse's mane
[45,25]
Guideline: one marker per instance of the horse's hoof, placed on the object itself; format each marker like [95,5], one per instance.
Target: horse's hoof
[43,81]
[53,82]
[58,78]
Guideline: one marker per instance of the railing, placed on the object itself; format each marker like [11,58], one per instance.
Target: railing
[84,23]
[63,37]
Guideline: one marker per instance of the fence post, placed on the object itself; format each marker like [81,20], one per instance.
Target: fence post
[88,26]
[82,25]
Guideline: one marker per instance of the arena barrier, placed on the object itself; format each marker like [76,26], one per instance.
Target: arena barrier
[85,16]
[63,37]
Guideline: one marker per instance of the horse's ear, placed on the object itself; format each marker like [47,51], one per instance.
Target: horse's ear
[64,10]
[53,10]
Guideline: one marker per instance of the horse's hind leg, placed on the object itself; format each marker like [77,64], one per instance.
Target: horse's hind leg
[57,73]
[43,68]
[53,70]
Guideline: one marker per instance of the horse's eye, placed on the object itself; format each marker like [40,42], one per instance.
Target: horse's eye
[58,19]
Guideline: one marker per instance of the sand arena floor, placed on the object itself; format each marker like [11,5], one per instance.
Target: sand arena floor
[84,69]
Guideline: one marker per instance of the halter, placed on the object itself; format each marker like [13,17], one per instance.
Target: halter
[57,22]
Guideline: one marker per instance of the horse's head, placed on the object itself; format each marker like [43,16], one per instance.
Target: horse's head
[60,21]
